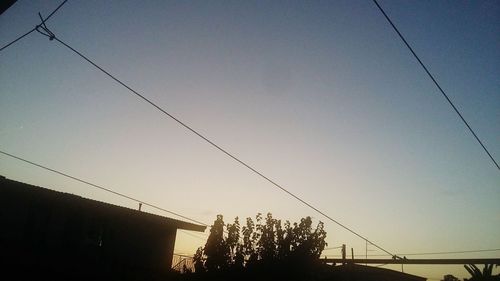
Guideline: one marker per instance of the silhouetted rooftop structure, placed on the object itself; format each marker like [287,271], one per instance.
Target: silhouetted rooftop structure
[353,272]
[67,235]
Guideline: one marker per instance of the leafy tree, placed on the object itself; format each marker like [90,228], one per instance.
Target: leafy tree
[263,242]
[217,249]
[199,261]
[267,243]
[233,236]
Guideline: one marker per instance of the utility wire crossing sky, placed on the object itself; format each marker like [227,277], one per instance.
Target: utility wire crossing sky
[290,74]
[46,32]
[437,84]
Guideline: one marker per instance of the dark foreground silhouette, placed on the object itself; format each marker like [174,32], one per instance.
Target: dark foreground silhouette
[267,249]
[48,235]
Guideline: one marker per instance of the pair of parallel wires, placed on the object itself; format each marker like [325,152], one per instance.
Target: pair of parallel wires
[44,30]
[430,253]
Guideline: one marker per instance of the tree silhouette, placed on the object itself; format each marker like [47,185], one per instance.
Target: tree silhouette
[262,243]
[485,275]
[217,250]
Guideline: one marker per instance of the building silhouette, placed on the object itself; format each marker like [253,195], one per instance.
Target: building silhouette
[351,271]
[50,233]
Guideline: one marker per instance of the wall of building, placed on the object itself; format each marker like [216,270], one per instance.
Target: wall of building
[64,233]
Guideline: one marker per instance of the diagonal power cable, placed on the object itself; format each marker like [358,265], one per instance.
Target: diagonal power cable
[436,83]
[53,12]
[51,36]
[101,187]
[435,253]
[17,39]
[34,28]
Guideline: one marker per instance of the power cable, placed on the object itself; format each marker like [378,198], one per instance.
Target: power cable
[53,12]
[332,248]
[452,252]
[18,38]
[437,253]
[101,187]
[436,83]
[34,28]
[195,236]
[184,255]
[53,37]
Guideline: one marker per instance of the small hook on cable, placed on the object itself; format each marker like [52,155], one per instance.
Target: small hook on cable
[46,31]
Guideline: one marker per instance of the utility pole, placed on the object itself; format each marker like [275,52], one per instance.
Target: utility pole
[366,250]
[343,254]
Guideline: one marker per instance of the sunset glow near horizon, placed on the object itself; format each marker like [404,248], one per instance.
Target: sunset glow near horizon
[322,97]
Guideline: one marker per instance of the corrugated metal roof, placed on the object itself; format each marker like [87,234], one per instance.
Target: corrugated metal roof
[15,186]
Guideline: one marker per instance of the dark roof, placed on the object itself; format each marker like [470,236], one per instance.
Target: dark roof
[27,190]
[369,273]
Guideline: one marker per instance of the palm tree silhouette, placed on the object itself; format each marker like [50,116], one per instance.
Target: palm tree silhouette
[485,275]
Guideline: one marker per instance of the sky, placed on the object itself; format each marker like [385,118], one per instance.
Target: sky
[320,96]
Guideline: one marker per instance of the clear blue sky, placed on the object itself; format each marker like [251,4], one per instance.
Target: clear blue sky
[320,96]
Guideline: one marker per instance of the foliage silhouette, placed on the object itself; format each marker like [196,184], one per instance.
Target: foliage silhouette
[261,245]
[485,275]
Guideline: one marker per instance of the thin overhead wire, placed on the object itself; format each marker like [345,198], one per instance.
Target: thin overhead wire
[53,12]
[17,39]
[452,252]
[34,28]
[436,83]
[332,248]
[184,255]
[101,187]
[230,155]
[195,236]
[436,253]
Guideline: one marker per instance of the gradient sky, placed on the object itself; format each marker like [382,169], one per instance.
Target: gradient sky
[321,96]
